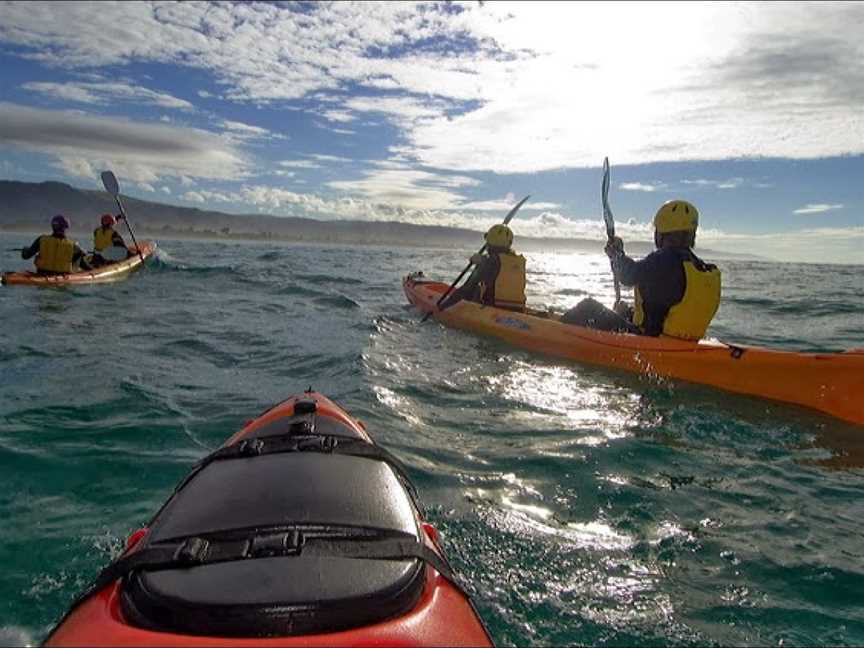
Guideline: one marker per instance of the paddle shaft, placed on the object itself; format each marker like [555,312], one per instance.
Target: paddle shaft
[610,225]
[129,227]
[446,294]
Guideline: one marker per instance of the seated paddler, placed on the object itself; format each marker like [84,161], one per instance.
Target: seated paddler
[55,254]
[108,245]
[498,278]
[675,292]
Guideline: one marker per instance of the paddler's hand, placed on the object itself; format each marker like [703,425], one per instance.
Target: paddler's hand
[625,310]
[476,259]
[614,248]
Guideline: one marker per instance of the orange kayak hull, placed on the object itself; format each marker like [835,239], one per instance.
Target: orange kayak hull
[832,383]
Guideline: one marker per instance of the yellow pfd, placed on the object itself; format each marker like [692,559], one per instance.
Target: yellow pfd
[510,283]
[55,254]
[689,318]
[102,238]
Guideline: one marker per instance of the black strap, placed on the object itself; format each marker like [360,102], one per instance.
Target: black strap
[197,551]
[328,444]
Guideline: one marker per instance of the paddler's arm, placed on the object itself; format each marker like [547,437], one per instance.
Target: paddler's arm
[78,256]
[482,268]
[628,271]
[118,241]
[33,250]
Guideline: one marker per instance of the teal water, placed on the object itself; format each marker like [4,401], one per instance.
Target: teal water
[583,506]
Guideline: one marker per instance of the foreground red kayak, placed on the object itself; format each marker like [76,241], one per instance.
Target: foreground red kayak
[299,531]
[104,274]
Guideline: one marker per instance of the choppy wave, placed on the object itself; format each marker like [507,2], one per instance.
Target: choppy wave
[582,505]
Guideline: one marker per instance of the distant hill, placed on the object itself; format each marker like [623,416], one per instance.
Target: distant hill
[28,206]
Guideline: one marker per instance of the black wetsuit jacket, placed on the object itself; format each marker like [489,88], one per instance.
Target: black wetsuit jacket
[486,272]
[661,280]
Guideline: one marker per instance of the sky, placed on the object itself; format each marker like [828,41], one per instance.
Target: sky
[449,113]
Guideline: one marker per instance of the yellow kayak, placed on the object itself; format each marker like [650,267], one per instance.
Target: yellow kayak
[829,382]
[104,274]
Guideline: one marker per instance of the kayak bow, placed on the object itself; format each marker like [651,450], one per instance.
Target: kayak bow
[829,382]
[299,531]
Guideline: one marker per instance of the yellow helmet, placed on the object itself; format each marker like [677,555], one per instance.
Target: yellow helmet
[499,236]
[676,216]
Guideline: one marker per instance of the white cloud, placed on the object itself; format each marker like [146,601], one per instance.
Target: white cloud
[165,190]
[639,186]
[814,245]
[406,110]
[193,196]
[330,158]
[817,208]
[245,129]
[338,116]
[407,187]
[731,183]
[105,93]
[507,87]
[140,152]
[300,164]
[75,166]
[506,204]
[145,186]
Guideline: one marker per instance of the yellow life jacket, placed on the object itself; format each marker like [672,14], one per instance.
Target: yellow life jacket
[102,238]
[55,254]
[689,318]
[510,283]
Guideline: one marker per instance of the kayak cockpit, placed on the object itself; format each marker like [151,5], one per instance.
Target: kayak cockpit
[277,573]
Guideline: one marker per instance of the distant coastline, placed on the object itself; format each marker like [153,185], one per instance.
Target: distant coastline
[25,207]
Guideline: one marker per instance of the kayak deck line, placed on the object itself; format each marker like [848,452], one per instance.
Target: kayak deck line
[831,382]
[104,274]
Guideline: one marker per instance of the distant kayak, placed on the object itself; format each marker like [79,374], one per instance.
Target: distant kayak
[832,383]
[103,274]
[299,531]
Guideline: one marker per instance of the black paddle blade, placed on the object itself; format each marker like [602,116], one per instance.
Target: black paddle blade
[109,180]
[513,211]
[607,212]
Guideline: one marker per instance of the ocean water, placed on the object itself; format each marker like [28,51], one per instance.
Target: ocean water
[582,505]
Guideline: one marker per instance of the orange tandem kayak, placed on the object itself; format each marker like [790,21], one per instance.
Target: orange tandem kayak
[832,383]
[104,274]
[299,531]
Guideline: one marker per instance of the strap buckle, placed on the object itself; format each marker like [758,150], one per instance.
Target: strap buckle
[192,552]
[250,447]
[318,443]
[275,544]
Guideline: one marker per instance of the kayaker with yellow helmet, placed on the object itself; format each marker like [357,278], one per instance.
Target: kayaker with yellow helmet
[498,278]
[56,254]
[108,245]
[676,293]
